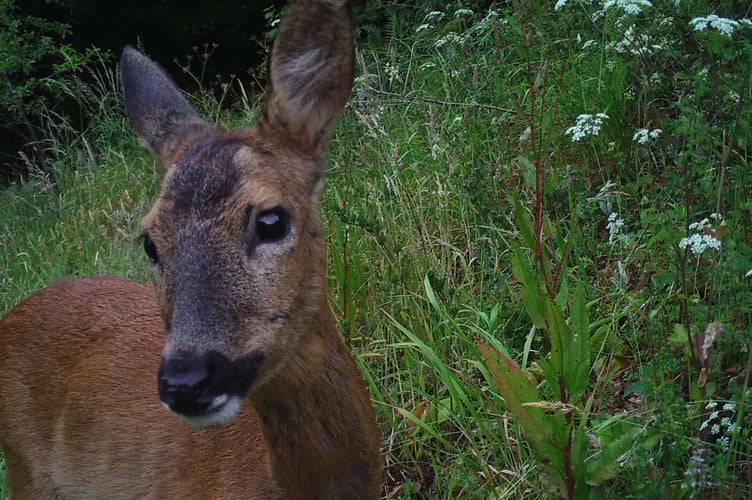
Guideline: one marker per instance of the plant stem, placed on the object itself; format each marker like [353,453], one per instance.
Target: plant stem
[569,475]
[683,270]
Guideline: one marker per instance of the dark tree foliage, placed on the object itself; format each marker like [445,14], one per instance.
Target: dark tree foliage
[379,21]
[167,30]
[36,69]
[234,32]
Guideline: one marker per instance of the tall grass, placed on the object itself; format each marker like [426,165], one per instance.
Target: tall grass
[455,164]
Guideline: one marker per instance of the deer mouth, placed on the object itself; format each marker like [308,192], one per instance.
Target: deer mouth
[223,409]
[208,389]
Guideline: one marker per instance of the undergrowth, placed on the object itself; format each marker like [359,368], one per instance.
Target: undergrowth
[538,225]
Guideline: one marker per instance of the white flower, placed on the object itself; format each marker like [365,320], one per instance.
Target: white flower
[588,44]
[422,27]
[434,16]
[559,4]
[643,135]
[724,442]
[632,7]
[614,226]
[722,25]
[586,125]
[635,44]
[450,37]
[699,226]
[392,72]
[749,274]
[698,243]
[463,12]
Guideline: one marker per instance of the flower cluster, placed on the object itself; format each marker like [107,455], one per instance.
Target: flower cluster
[720,424]
[722,25]
[636,44]
[698,243]
[631,7]
[586,125]
[643,135]
[704,238]
[392,72]
[614,225]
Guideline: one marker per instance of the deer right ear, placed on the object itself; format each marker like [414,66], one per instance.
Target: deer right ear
[310,73]
[156,108]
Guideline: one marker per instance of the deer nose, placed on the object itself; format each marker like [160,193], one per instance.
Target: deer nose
[185,384]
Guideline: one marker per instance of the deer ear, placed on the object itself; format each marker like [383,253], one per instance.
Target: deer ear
[310,73]
[156,108]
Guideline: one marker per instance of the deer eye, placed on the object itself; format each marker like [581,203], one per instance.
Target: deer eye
[272,225]
[150,249]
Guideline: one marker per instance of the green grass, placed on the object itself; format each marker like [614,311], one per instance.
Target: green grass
[450,128]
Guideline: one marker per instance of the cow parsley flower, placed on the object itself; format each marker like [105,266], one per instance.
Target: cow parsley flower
[719,425]
[450,38]
[637,44]
[614,225]
[586,125]
[698,243]
[722,25]
[435,15]
[704,237]
[632,7]
[644,136]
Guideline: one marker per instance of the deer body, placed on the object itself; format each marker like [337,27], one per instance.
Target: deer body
[235,337]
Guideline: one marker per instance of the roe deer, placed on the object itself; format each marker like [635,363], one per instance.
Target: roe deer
[238,311]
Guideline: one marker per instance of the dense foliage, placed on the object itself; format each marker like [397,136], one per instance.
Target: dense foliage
[539,233]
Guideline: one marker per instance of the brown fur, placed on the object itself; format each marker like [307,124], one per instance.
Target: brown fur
[80,415]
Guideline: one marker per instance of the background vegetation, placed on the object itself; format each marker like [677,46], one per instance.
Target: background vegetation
[538,223]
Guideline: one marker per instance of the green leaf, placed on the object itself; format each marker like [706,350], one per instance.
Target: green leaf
[577,359]
[524,222]
[558,332]
[679,335]
[604,464]
[531,293]
[517,389]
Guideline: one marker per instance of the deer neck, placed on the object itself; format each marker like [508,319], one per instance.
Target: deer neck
[318,422]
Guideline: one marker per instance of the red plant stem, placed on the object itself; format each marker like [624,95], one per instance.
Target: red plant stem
[568,444]
[568,459]
[538,182]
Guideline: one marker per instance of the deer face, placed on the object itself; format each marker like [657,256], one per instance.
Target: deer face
[234,239]
[234,243]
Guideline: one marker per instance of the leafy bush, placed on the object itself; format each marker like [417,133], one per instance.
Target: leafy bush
[37,72]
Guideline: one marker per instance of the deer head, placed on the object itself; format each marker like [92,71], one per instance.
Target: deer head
[234,240]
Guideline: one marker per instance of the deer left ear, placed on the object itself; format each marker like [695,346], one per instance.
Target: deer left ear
[310,74]
[156,108]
